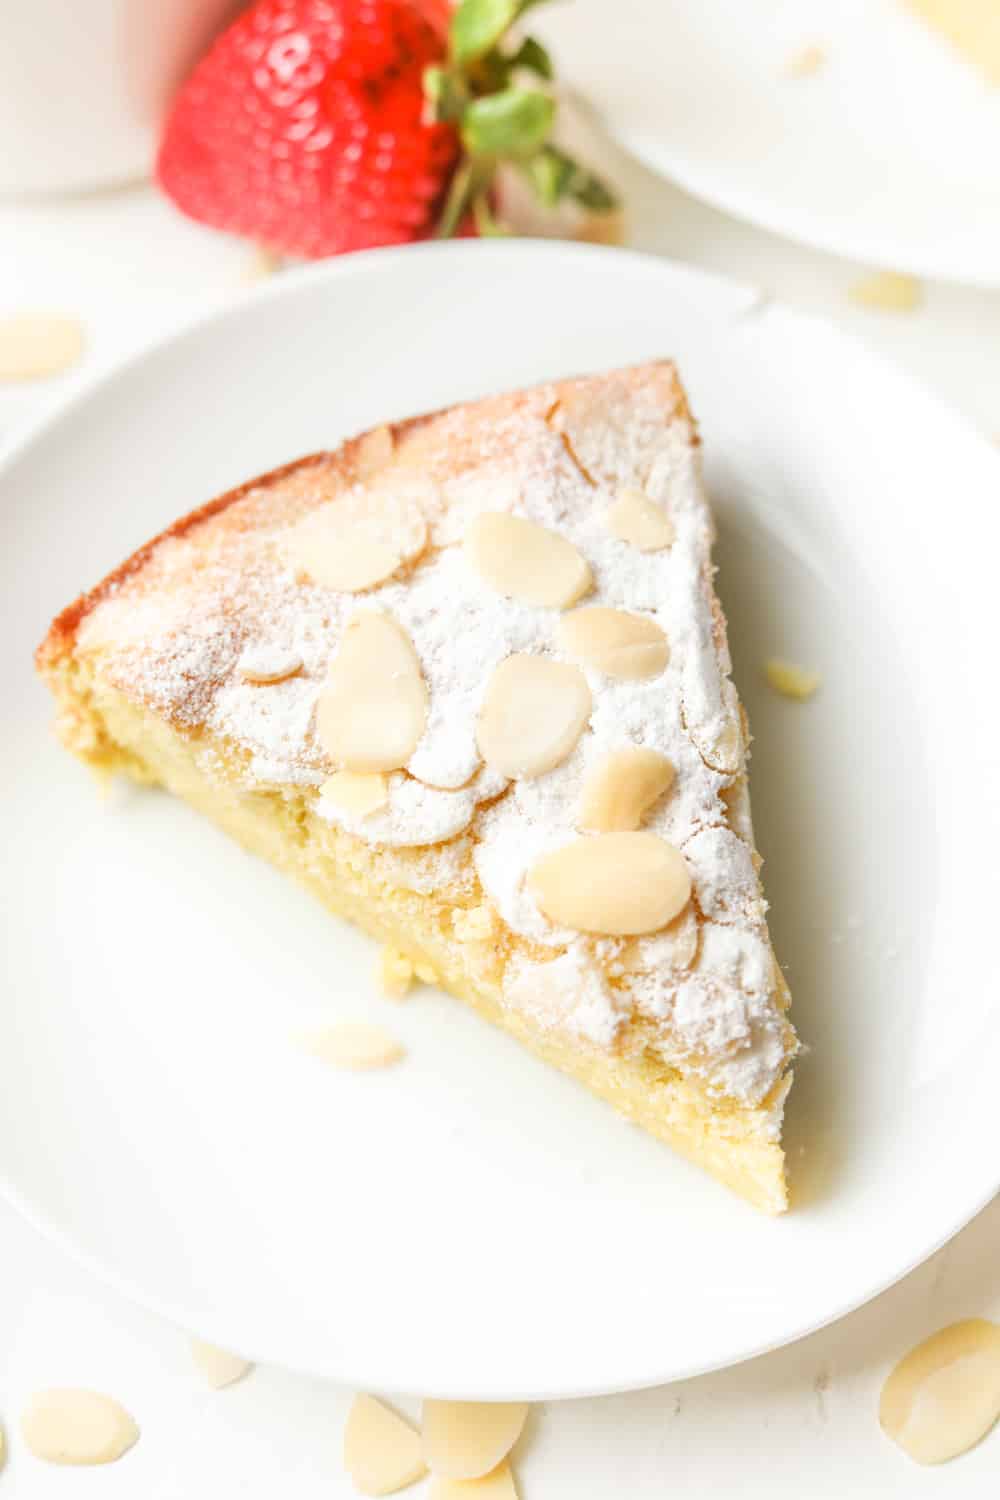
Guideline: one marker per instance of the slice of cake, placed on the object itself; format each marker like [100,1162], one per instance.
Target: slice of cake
[466,678]
[971,26]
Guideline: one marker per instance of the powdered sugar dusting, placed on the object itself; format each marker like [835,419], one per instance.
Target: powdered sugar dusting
[181,633]
[570,993]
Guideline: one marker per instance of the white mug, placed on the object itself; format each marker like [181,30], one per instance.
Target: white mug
[83,85]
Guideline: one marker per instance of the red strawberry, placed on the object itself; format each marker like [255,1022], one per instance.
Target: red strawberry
[302,128]
[317,126]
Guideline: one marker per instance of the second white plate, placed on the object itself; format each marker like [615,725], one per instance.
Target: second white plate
[886,154]
[472,1224]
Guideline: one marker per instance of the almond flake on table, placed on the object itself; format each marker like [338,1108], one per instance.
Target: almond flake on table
[499,1485]
[36,345]
[468,1439]
[382,1453]
[888,291]
[67,1426]
[943,1397]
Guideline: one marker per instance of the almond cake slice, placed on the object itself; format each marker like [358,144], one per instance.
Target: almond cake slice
[467,679]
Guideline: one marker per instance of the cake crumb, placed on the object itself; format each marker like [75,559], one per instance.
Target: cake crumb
[791,681]
[475,924]
[888,291]
[806,61]
[395,972]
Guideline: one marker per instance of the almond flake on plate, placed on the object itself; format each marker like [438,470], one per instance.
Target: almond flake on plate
[219,1367]
[888,291]
[791,681]
[356,1045]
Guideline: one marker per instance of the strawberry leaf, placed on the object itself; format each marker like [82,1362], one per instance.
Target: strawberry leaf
[532,56]
[513,123]
[477,26]
[554,176]
[446,94]
[488,226]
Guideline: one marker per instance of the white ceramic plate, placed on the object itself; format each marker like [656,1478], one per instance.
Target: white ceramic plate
[887,154]
[471,1223]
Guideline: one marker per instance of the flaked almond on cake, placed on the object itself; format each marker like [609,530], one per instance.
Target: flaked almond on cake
[467,679]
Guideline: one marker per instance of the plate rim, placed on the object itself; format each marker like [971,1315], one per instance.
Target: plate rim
[90,383]
[849,241]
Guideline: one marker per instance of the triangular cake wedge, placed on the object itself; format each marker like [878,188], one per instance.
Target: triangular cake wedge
[467,679]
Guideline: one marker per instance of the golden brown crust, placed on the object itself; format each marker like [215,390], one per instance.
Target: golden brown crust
[62,632]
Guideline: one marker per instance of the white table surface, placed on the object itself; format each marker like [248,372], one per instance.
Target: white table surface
[801,1422]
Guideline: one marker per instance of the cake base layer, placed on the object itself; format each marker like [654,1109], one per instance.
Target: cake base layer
[360,882]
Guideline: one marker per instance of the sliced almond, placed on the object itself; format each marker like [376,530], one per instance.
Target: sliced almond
[219,1367]
[944,1396]
[33,345]
[533,714]
[721,750]
[356,1045]
[888,291]
[358,540]
[622,645]
[526,561]
[620,789]
[496,1486]
[382,1453]
[673,947]
[69,1426]
[266,664]
[357,793]
[636,519]
[616,884]
[467,1439]
[791,681]
[373,708]
[805,62]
